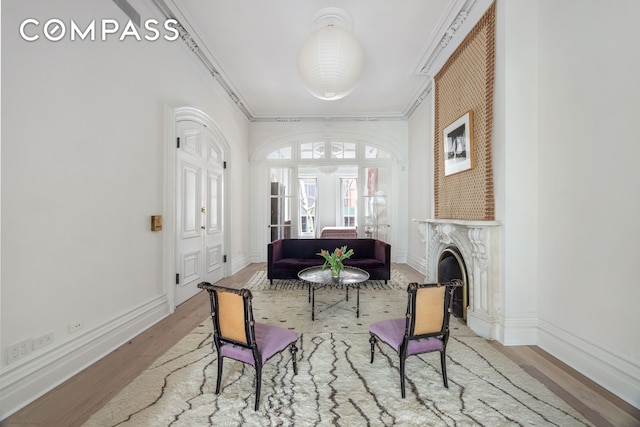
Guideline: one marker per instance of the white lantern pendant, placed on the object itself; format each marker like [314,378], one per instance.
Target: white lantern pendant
[331,62]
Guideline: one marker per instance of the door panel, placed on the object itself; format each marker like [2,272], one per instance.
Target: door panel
[214,205]
[281,202]
[191,267]
[199,219]
[214,255]
[213,214]
[191,201]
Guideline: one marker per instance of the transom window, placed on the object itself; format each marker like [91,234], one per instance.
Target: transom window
[375,153]
[312,150]
[280,153]
[343,150]
[337,150]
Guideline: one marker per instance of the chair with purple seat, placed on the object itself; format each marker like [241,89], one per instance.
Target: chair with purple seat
[237,336]
[424,329]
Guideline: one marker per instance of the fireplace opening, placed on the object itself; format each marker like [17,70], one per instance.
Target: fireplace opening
[451,266]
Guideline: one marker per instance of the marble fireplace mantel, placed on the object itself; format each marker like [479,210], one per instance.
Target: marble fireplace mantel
[479,245]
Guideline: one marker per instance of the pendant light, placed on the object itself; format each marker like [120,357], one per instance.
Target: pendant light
[331,60]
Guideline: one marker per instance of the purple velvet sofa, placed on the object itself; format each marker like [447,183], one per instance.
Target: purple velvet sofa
[286,257]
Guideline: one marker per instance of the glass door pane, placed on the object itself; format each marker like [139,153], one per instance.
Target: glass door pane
[376,217]
[280,203]
[349,201]
[308,188]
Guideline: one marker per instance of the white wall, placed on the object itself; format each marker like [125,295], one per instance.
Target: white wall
[588,189]
[83,144]
[566,186]
[565,78]
[516,167]
[420,171]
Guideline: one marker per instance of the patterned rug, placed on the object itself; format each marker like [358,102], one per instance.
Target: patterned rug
[259,282]
[336,384]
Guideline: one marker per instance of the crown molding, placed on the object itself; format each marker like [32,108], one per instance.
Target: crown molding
[315,119]
[455,24]
[444,33]
[194,43]
[422,95]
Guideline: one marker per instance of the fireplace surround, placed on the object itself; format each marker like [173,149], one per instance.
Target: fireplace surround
[478,244]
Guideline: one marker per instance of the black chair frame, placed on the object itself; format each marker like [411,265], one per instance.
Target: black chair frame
[249,333]
[409,331]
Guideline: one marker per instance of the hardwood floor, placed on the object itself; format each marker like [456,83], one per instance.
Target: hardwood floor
[73,402]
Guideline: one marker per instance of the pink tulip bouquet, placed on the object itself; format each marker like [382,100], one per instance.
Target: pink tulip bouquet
[334,259]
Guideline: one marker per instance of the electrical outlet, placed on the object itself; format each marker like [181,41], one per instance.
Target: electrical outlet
[19,351]
[42,340]
[74,327]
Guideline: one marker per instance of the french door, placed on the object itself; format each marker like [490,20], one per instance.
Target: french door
[376,221]
[199,210]
[281,202]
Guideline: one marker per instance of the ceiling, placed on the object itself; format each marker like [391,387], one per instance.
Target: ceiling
[252,47]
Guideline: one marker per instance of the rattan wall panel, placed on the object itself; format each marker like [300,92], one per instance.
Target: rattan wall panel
[465,83]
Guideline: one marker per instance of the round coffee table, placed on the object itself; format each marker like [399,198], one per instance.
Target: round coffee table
[317,278]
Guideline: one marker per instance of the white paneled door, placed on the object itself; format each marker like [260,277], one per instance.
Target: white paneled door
[199,218]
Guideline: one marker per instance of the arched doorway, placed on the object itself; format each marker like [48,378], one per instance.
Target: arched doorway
[196,208]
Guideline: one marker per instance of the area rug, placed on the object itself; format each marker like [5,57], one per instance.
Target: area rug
[336,385]
[259,282]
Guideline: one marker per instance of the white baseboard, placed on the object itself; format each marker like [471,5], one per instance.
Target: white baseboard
[521,329]
[417,263]
[239,264]
[482,325]
[22,383]
[399,256]
[615,372]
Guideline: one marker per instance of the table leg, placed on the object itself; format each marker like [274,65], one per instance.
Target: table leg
[358,302]
[313,303]
[347,288]
[309,291]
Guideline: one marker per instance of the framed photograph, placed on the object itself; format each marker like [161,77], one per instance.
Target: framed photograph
[458,145]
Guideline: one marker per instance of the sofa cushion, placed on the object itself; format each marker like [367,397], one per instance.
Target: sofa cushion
[364,263]
[298,263]
[362,248]
[295,249]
